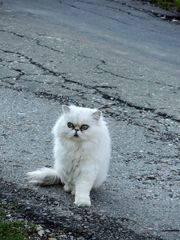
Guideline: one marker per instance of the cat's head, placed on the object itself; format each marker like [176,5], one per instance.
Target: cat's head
[78,123]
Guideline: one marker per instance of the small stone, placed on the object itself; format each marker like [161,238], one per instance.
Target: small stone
[41,233]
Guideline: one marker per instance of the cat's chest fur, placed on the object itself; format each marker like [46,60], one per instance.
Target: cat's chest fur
[74,158]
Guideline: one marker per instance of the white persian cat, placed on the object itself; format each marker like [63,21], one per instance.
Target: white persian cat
[82,152]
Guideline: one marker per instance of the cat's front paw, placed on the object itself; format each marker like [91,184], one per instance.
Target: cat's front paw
[83,201]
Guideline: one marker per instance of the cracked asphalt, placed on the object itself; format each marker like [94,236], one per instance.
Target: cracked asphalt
[113,55]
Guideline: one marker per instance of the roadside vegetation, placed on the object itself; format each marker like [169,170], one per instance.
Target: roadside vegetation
[15,225]
[16,230]
[167,4]
[11,229]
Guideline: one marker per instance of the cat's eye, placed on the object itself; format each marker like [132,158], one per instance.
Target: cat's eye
[70,125]
[84,127]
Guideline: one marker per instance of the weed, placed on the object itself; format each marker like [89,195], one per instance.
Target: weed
[167,4]
[15,230]
[2,211]
[12,231]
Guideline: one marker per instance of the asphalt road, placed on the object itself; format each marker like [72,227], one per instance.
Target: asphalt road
[114,55]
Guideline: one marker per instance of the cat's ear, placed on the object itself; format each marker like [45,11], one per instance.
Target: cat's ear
[96,115]
[65,108]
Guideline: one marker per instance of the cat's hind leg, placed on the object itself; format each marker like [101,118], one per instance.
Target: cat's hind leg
[44,176]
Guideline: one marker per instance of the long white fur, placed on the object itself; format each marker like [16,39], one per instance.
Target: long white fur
[80,163]
[44,176]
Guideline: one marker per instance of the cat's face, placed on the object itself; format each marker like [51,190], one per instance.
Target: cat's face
[79,123]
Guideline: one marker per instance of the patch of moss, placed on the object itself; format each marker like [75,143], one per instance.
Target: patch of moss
[167,4]
[12,231]
[16,230]
[2,212]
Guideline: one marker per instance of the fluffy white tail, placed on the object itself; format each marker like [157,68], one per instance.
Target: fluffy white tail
[44,176]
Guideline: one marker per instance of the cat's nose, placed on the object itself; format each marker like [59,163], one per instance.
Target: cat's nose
[76,134]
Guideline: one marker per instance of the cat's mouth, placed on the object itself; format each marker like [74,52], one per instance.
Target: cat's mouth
[76,135]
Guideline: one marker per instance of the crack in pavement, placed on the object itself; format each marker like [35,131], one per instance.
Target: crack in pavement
[166,137]
[114,74]
[90,11]
[106,6]
[132,79]
[41,94]
[151,13]
[45,46]
[31,61]
[21,73]
[14,33]
[106,96]
[38,42]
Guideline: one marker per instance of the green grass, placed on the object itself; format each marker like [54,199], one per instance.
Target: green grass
[11,228]
[2,212]
[14,230]
[167,4]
